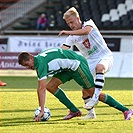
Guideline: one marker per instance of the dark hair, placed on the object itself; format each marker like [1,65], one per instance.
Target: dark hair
[24,56]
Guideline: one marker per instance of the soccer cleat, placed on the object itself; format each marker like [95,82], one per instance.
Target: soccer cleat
[90,104]
[72,114]
[2,83]
[128,114]
[91,115]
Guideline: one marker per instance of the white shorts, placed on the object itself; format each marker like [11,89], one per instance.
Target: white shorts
[106,61]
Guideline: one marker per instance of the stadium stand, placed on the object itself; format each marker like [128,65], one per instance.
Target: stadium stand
[107,14]
[6,3]
[16,12]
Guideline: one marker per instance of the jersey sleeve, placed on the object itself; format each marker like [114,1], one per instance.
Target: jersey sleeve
[68,42]
[42,71]
[89,23]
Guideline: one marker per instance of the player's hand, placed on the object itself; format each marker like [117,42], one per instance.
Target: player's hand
[63,32]
[38,118]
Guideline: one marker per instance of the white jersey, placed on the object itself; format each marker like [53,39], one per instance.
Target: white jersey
[91,46]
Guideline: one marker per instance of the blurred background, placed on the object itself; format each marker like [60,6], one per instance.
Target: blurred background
[19,32]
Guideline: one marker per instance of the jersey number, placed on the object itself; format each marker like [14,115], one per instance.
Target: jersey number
[48,51]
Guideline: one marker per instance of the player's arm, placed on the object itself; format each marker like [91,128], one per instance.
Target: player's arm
[41,91]
[65,47]
[85,31]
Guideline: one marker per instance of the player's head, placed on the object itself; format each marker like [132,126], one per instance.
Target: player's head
[72,18]
[26,59]
[69,12]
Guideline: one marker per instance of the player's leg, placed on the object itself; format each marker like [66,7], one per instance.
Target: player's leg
[101,68]
[99,81]
[53,87]
[85,95]
[91,112]
[87,82]
[105,98]
[109,100]
[85,79]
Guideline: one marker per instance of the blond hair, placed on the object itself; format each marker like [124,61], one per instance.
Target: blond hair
[71,11]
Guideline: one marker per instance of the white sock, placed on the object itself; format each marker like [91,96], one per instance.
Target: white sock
[99,83]
[90,111]
[86,100]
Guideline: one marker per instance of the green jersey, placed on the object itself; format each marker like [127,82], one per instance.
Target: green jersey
[53,61]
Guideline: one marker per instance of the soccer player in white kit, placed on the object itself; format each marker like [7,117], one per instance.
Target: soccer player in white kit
[87,38]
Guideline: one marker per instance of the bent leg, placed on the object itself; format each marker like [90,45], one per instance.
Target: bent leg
[91,112]
[105,98]
[109,100]
[53,84]
[53,87]
[99,81]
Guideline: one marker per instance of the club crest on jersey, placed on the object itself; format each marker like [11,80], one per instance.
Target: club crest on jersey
[86,43]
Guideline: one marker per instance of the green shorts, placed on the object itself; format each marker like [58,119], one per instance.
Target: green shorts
[82,76]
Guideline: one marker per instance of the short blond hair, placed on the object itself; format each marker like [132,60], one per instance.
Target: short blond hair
[71,11]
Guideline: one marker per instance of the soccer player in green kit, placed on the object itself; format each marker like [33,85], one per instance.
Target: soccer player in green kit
[64,65]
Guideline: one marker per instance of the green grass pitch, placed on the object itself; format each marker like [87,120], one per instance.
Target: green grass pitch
[18,101]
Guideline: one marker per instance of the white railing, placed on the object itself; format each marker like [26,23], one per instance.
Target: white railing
[17,10]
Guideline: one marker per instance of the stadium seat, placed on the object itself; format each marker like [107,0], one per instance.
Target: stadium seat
[60,22]
[129,5]
[126,25]
[66,4]
[121,9]
[107,14]
[103,9]
[106,21]
[74,2]
[120,1]
[113,15]
[86,14]
[114,18]
[93,5]
[111,4]
[130,13]
[19,26]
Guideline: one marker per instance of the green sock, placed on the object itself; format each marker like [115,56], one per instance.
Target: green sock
[60,94]
[115,104]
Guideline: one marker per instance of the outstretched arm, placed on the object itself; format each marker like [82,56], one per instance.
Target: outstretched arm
[85,31]
[65,47]
[41,91]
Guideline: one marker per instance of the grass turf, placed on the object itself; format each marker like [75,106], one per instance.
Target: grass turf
[19,100]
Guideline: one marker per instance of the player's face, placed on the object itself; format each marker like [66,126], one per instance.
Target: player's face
[73,22]
[28,64]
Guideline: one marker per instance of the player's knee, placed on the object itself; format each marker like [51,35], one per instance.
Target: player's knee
[51,88]
[102,97]
[85,93]
[90,91]
[100,68]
